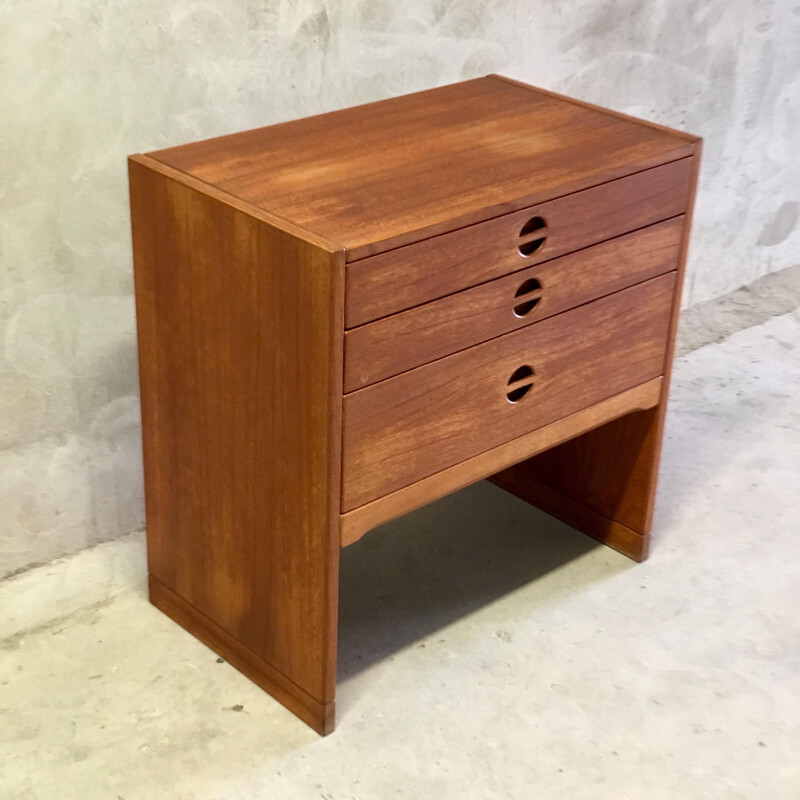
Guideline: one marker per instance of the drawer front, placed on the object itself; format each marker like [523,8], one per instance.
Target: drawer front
[425,333]
[417,273]
[423,421]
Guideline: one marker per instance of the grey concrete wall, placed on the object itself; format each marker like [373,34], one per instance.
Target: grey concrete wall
[83,84]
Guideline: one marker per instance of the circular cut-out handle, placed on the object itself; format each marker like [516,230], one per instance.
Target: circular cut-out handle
[520,383]
[533,235]
[528,296]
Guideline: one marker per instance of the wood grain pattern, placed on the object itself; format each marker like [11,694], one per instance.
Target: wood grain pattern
[610,473]
[622,493]
[354,524]
[384,174]
[627,118]
[535,484]
[418,273]
[581,517]
[258,255]
[431,331]
[241,449]
[423,421]
[319,716]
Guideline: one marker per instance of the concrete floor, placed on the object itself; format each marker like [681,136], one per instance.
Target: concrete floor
[487,651]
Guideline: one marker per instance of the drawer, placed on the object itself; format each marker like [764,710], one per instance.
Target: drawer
[432,417]
[425,333]
[417,273]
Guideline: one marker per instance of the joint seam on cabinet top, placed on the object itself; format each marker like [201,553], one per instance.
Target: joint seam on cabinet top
[591,106]
[210,189]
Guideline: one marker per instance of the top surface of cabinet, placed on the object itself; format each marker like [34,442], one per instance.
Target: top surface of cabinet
[385,174]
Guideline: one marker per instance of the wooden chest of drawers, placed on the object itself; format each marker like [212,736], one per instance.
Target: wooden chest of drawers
[345,317]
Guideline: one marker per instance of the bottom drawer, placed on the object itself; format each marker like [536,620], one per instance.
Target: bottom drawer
[430,418]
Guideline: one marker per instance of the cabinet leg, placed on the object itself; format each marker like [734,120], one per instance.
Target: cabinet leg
[319,716]
[602,482]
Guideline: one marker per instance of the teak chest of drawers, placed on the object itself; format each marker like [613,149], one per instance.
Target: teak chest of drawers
[345,317]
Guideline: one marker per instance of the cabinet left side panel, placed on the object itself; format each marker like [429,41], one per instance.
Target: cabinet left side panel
[240,357]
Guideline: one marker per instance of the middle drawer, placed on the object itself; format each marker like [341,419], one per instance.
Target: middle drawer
[398,343]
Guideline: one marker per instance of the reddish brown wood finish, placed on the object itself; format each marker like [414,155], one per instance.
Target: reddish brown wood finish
[598,500]
[319,716]
[423,421]
[253,476]
[689,138]
[354,524]
[385,174]
[428,332]
[604,482]
[241,449]
[436,267]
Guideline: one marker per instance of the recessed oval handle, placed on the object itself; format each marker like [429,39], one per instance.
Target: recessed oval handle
[528,294]
[533,235]
[520,383]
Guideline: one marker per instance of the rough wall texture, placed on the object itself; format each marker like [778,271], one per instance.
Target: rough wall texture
[84,83]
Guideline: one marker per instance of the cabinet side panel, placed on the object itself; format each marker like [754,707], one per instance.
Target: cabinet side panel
[240,351]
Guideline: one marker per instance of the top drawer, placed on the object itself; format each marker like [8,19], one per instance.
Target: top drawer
[414,274]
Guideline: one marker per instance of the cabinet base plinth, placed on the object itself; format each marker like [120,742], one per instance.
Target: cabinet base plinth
[319,716]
